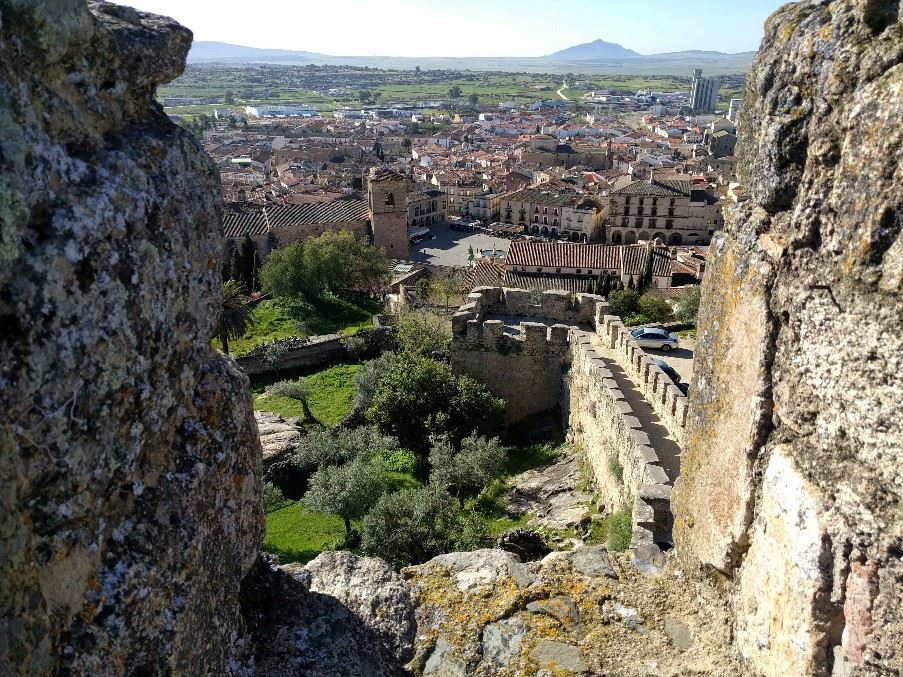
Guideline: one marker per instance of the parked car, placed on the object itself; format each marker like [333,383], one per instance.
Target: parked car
[650,337]
[669,371]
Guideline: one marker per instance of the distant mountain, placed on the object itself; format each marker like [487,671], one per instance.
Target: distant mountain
[202,50]
[597,49]
[593,57]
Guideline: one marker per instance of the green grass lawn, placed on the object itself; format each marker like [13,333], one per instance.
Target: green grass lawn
[279,318]
[331,396]
[296,535]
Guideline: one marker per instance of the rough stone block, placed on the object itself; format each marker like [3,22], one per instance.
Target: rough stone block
[490,295]
[473,331]
[639,437]
[784,575]
[555,304]
[493,331]
[632,422]
[517,301]
[459,322]
[559,334]
[655,475]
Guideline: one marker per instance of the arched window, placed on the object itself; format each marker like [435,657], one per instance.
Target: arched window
[630,237]
[675,239]
[644,235]
[616,237]
[390,200]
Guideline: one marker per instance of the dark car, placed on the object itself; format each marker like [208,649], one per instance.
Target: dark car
[673,375]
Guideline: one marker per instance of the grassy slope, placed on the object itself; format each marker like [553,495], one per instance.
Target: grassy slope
[332,392]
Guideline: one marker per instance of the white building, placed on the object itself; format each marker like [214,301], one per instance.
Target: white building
[280,110]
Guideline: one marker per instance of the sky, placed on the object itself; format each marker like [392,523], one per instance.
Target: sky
[471,27]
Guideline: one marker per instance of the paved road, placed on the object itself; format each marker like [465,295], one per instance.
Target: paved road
[680,360]
[450,248]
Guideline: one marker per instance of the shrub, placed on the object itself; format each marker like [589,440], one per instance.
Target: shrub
[620,530]
[616,468]
[421,332]
[418,396]
[636,320]
[655,307]
[400,460]
[466,471]
[272,497]
[348,491]
[322,447]
[409,526]
[688,304]
[624,302]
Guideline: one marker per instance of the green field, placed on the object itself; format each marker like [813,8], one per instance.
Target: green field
[331,395]
[277,319]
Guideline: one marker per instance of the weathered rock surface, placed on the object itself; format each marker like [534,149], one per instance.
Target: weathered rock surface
[485,613]
[129,457]
[790,479]
[340,615]
[278,436]
[551,495]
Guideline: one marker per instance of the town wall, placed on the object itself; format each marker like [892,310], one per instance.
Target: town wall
[524,368]
[627,471]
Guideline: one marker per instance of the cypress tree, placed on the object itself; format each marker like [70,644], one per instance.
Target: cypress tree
[646,279]
[630,284]
[248,253]
[599,283]
[606,285]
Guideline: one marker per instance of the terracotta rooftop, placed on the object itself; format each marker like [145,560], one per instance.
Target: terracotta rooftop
[237,222]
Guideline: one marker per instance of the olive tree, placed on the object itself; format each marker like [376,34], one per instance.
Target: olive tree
[348,491]
[465,471]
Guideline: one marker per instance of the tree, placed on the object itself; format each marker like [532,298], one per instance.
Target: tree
[249,262]
[294,390]
[229,97]
[235,314]
[465,471]
[322,447]
[688,304]
[418,396]
[447,286]
[421,332]
[417,70]
[473,99]
[624,302]
[646,278]
[406,143]
[470,253]
[655,307]
[409,526]
[454,92]
[364,95]
[332,261]
[630,284]
[348,491]
[271,496]
[423,290]
[368,377]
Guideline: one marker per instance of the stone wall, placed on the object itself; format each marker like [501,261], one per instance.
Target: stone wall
[602,424]
[555,305]
[129,455]
[658,389]
[315,351]
[524,368]
[791,483]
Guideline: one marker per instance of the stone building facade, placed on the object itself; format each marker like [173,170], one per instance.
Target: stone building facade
[544,212]
[672,211]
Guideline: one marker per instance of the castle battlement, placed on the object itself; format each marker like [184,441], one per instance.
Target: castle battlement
[555,305]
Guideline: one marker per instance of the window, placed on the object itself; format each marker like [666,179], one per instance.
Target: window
[627,200]
[669,224]
[624,221]
[545,220]
[545,210]
[579,271]
[654,201]
[536,210]
[555,211]
[639,222]
[389,200]
[539,270]
[558,270]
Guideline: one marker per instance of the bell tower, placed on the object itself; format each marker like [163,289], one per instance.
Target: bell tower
[388,200]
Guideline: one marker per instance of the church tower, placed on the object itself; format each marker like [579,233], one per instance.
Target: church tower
[388,195]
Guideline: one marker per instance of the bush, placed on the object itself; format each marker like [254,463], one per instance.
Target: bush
[421,332]
[466,471]
[367,379]
[620,530]
[636,320]
[400,460]
[322,447]
[418,396]
[348,491]
[625,302]
[272,497]
[688,305]
[616,468]
[410,526]
[655,307]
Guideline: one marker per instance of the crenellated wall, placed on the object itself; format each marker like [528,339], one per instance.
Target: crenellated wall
[658,389]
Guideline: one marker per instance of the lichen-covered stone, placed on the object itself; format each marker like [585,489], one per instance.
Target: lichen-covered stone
[800,334]
[129,457]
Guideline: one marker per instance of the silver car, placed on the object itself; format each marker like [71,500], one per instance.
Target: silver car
[659,339]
